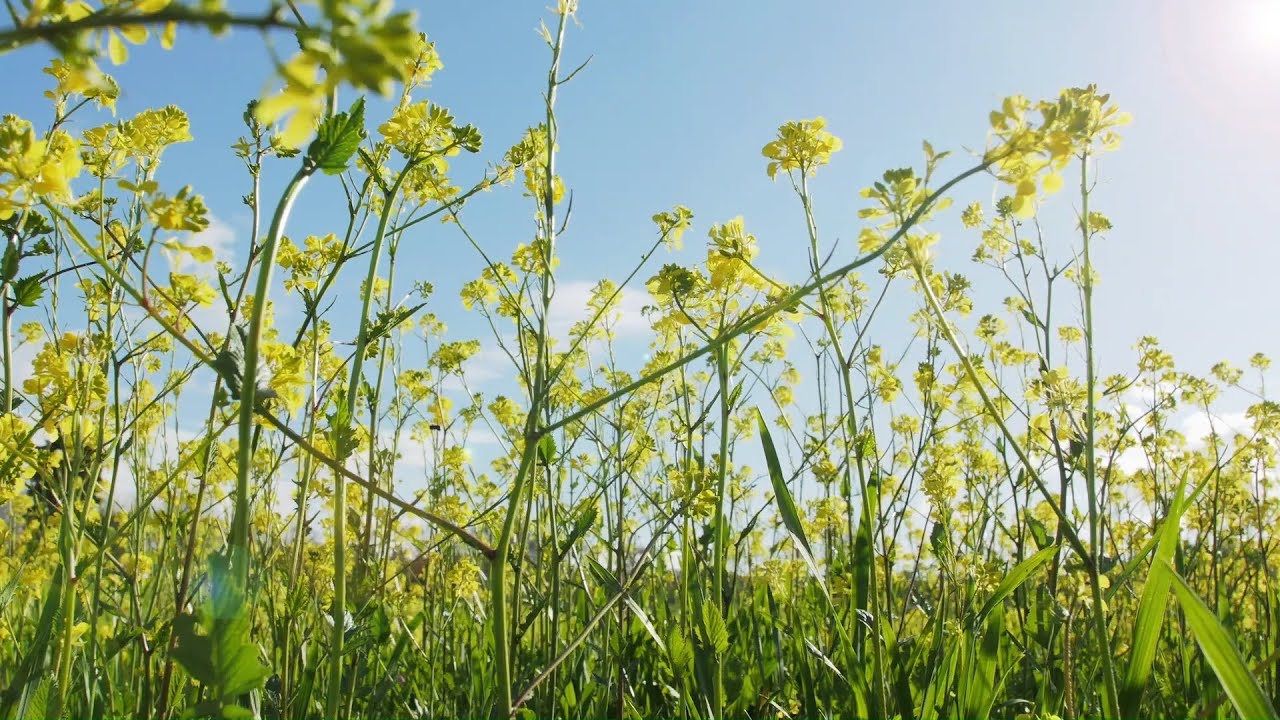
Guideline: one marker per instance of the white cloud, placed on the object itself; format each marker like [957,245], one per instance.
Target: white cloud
[220,237]
[23,364]
[1195,427]
[570,305]
[488,364]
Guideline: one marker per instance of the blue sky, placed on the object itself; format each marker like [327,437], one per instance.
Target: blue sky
[680,96]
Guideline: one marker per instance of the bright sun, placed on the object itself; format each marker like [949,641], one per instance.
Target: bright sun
[1259,26]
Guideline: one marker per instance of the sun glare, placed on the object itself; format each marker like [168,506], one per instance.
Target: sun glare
[1259,27]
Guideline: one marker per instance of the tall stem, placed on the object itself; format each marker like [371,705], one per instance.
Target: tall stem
[248,379]
[339,481]
[1112,697]
[538,395]
[722,472]
[851,439]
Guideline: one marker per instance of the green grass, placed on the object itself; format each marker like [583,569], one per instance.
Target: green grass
[959,517]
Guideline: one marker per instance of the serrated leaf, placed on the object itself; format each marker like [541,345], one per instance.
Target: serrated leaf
[27,291]
[582,524]
[546,450]
[679,650]
[214,646]
[389,320]
[717,635]
[337,139]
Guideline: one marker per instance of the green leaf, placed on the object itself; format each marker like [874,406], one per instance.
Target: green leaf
[28,686]
[679,651]
[1039,533]
[813,650]
[336,141]
[1151,610]
[582,524]
[1014,579]
[214,646]
[467,137]
[863,550]
[27,291]
[786,505]
[716,634]
[604,577]
[1222,654]
[546,450]
[9,265]
[643,617]
[982,690]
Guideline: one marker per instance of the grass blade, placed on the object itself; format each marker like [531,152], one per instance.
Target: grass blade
[1223,657]
[1018,575]
[982,690]
[786,504]
[1151,609]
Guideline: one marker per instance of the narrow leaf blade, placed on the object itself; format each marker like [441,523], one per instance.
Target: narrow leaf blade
[1223,657]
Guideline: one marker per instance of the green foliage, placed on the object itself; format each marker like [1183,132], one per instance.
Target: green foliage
[337,140]
[954,515]
[215,648]
[1221,652]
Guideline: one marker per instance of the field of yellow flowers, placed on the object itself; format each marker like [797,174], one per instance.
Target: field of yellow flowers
[774,515]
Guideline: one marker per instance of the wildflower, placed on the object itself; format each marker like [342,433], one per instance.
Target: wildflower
[802,145]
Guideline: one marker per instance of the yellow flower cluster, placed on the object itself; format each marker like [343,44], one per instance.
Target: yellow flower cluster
[32,167]
[803,145]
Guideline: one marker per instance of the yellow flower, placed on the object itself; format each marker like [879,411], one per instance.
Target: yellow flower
[77,633]
[419,128]
[802,145]
[303,96]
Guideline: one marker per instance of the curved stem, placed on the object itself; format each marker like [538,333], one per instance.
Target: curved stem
[539,391]
[339,482]
[248,379]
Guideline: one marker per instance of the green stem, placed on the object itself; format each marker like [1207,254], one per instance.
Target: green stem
[717,579]
[851,432]
[751,322]
[539,392]
[8,349]
[248,378]
[1064,523]
[68,608]
[1112,696]
[339,481]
